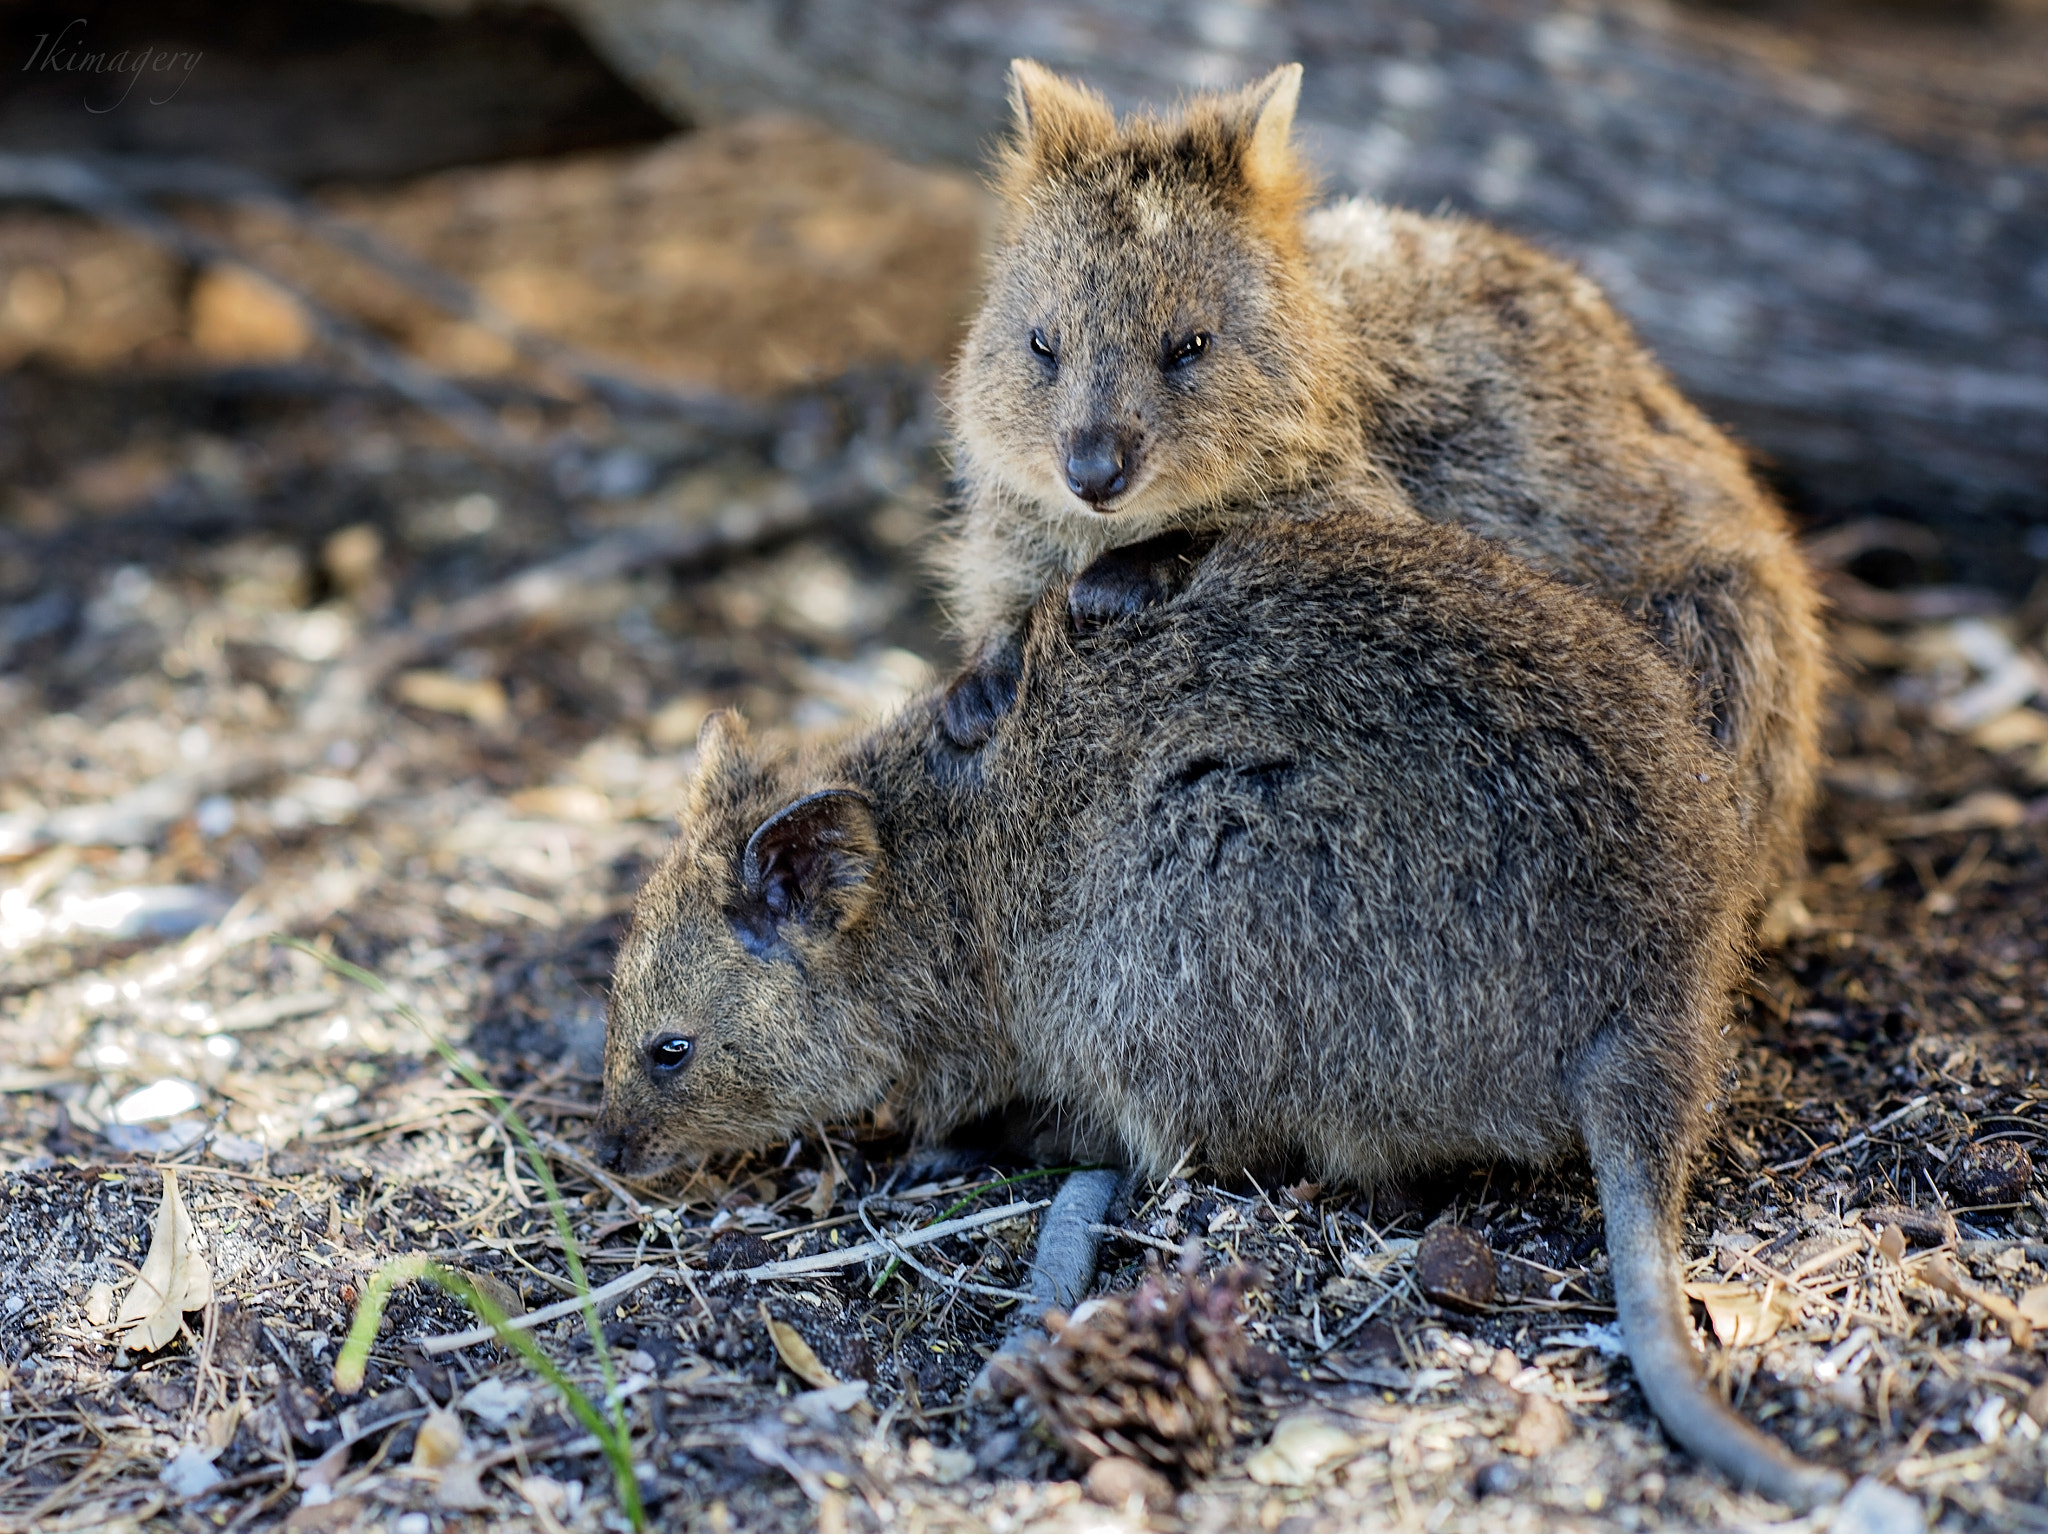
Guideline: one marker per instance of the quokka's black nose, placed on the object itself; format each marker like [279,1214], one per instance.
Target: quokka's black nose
[611,1150]
[1098,465]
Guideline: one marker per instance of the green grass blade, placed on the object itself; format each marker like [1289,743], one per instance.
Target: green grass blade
[351,1364]
[536,1158]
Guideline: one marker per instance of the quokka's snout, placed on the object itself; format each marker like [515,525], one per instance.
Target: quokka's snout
[1102,462]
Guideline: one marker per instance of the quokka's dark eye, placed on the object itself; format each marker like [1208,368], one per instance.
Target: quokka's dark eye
[1042,347]
[670,1053]
[1179,356]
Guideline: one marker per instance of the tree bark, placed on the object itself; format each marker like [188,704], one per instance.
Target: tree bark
[1832,225]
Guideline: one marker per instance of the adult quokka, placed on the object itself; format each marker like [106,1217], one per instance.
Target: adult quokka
[1172,340]
[1362,850]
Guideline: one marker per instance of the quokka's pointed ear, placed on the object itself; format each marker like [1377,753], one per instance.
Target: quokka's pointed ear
[811,863]
[1055,117]
[722,737]
[725,764]
[1269,105]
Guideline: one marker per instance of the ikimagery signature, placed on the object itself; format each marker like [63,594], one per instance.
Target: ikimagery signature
[68,51]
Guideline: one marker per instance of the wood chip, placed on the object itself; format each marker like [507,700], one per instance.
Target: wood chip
[1941,1274]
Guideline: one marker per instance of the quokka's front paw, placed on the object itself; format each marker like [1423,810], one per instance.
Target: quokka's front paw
[1130,579]
[977,699]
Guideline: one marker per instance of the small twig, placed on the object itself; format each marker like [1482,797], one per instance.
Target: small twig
[619,1287]
[1806,1295]
[846,1257]
[895,1249]
[561,1150]
[1825,1152]
[1154,1242]
[1827,1259]
[1387,1295]
[1940,1274]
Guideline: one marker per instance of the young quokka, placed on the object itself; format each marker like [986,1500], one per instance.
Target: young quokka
[1171,340]
[1367,850]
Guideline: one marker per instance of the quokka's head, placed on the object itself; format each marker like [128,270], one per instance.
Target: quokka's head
[730,1021]
[1149,340]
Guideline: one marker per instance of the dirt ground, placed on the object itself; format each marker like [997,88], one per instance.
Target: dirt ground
[212,525]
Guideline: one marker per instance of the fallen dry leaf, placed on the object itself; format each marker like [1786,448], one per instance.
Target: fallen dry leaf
[221,1425]
[174,1278]
[461,1487]
[564,801]
[497,1291]
[820,1202]
[99,1305]
[1740,1315]
[1891,1241]
[797,1354]
[2034,1305]
[442,692]
[319,1516]
[327,1469]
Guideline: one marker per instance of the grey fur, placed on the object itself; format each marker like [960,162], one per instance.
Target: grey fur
[1485,383]
[1368,850]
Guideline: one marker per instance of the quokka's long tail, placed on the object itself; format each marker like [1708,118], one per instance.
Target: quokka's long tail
[1648,1295]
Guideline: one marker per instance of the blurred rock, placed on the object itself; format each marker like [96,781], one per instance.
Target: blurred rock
[1454,1266]
[1119,1482]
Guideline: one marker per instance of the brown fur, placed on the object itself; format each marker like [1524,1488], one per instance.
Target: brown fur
[1434,868]
[1353,346]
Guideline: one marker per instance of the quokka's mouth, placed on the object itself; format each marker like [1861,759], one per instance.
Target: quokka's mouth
[1117,506]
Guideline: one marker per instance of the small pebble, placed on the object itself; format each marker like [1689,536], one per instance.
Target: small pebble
[1116,1482]
[1542,1426]
[1875,1508]
[2037,1404]
[1499,1479]
[1454,1267]
[997,1448]
[1301,1446]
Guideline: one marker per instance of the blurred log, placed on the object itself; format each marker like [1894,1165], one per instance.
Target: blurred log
[1831,223]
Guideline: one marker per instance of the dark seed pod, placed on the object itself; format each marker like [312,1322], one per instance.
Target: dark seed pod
[1149,1376]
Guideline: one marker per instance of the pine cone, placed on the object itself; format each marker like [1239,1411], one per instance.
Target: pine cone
[1148,1376]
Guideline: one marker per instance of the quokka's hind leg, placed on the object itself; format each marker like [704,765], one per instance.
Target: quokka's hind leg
[1748,639]
[1641,1155]
[1063,1266]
